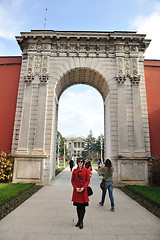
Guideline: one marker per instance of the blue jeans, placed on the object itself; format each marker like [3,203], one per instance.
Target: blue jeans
[109,186]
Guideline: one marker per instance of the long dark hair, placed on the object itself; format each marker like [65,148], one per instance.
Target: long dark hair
[108,164]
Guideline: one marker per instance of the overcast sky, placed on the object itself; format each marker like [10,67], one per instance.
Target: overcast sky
[18,16]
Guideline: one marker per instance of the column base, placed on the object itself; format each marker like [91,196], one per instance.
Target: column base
[22,151]
[38,152]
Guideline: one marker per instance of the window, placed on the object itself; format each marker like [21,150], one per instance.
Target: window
[78,144]
[82,144]
[70,145]
[75,144]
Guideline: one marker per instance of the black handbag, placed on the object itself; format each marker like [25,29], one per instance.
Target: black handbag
[102,184]
[89,189]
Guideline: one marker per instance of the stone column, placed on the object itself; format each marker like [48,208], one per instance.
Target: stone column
[41,117]
[122,119]
[107,128]
[139,150]
[25,120]
[122,116]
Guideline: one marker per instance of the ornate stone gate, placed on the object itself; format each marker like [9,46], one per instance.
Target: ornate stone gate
[111,62]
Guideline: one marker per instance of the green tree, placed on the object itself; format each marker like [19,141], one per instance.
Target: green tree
[61,145]
[98,145]
[89,144]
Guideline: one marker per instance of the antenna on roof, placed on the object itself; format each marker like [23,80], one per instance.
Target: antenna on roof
[45,20]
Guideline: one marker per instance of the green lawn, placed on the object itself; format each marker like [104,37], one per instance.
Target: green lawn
[151,192]
[9,190]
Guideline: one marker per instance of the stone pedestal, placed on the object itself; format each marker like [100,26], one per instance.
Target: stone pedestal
[132,171]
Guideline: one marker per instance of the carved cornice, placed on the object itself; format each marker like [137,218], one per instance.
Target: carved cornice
[77,43]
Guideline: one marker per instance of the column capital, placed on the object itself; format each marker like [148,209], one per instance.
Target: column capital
[135,80]
[120,79]
[28,77]
[44,78]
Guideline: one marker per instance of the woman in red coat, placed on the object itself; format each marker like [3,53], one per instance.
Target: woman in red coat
[80,180]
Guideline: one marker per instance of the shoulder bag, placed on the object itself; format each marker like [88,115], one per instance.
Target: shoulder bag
[102,184]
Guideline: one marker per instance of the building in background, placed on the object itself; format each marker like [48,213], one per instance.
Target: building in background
[75,146]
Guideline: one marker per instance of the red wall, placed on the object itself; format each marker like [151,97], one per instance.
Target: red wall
[152,79]
[9,80]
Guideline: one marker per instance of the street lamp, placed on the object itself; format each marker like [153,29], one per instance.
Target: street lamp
[64,153]
[59,140]
[101,141]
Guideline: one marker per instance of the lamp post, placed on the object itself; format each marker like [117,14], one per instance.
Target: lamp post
[101,141]
[64,153]
[59,140]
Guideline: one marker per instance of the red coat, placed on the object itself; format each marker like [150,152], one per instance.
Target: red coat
[80,197]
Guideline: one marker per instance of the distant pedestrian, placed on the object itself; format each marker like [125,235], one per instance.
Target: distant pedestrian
[89,167]
[99,163]
[71,163]
[80,180]
[107,173]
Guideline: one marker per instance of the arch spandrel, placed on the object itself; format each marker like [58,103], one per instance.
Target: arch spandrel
[82,75]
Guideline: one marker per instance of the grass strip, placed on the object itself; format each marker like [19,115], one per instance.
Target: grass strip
[13,196]
[144,199]
[151,193]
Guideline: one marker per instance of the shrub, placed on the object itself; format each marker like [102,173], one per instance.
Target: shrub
[154,173]
[6,167]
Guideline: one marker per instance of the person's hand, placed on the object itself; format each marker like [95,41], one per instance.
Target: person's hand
[78,189]
[81,189]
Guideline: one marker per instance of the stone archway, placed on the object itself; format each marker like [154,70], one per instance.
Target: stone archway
[111,62]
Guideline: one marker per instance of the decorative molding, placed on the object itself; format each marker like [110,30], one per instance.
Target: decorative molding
[37,66]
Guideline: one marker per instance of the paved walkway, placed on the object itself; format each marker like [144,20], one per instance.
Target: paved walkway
[49,214]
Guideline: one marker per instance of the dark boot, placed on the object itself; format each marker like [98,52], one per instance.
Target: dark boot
[81,225]
[77,224]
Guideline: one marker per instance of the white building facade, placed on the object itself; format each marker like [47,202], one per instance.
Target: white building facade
[75,147]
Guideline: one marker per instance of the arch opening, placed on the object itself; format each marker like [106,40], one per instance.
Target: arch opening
[82,76]
[91,78]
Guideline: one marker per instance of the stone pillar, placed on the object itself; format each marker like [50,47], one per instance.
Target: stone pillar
[25,121]
[41,116]
[139,150]
[122,119]
[107,130]
[122,115]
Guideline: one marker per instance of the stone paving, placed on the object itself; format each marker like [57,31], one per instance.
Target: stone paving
[49,214]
